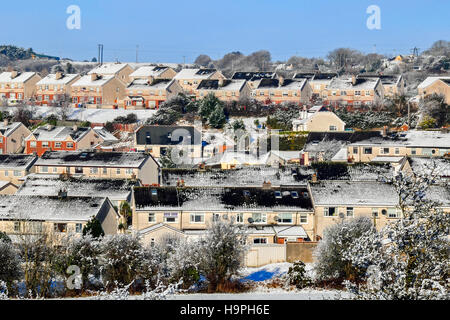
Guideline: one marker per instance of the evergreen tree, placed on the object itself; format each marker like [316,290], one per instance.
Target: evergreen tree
[94,228]
[217,118]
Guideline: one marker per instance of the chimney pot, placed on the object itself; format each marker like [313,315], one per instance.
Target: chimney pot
[94,76]
[280,80]
[353,79]
[14,74]
[58,75]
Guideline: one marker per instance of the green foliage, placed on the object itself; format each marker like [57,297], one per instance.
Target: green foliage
[94,228]
[292,142]
[428,123]
[238,124]
[16,53]
[297,275]
[365,120]
[85,124]
[4,237]
[217,118]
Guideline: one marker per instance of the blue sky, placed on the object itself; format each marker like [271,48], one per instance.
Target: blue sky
[168,30]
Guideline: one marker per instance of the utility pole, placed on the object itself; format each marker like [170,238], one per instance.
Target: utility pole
[184,61]
[137,53]
[100,54]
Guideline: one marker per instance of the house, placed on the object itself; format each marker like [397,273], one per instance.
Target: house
[151,73]
[411,143]
[282,90]
[224,90]
[143,94]
[435,85]
[95,90]
[189,79]
[157,140]
[283,157]
[7,187]
[51,138]
[12,137]
[14,167]
[317,80]
[192,209]
[354,92]
[101,165]
[116,190]
[393,85]
[336,201]
[318,118]
[253,76]
[121,71]
[18,86]
[55,89]
[55,215]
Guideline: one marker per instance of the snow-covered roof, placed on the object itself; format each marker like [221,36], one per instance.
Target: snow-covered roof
[51,79]
[353,193]
[341,155]
[240,158]
[51,133]
[227,85]
[439,167]
[87,81]
[360,83]
[430,80]
[21,77]
[51,208]
[17,161]
[4,184]
[105,134]
[287,155]
[290,231]
[50,185]
[387,159]
[148,71]
[108,68]
[7,129]
[155,85]
[158,226]
[412,138]
[93,159]
[188,74]
[292,84]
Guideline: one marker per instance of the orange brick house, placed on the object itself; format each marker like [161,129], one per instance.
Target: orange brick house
[98,90]
[282,90]
[142,94]
[189,79]
[18,86]
[55,88]
[50,138]
[224,90]
[121,71]
[12,137]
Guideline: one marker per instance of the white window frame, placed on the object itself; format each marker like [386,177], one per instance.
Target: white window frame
[172,215]
[193,217]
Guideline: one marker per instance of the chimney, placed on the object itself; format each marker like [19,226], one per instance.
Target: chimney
[385,131]
[280,80]
[314,177]
[75,128]
[62,194]
[353,79]
[14,74]
[94,76]
[267,185]
[5,122]
[220,82]
[58,75]
[49,127]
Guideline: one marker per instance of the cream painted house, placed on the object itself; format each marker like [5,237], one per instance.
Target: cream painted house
[143,94]
[317,80]
[121,71]
[189,79]
[224,90]
[252,77]
[18,86]
[435,85]
[96,90]
[14,167]
[101,165]
[56,215]
[393,85]
[282,90]
[318,118]
[151,73]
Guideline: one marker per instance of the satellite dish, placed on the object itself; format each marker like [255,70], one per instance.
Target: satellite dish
[276,218]
[250,220]
[341,215]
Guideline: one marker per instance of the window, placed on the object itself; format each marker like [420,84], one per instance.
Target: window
[197,218]
[259,217]
[397,150]
[285,218]
[393,213]
[118,171]
[78,170]
[60,227]
[333,93]
[44,169]
[259,240]
[368,150]
[413,151]
[6,173]
[367,92]
[333,128]
[69,145]
[355,150]
[57,144]
[375,212]
[16,173]
[343,93]
[44,144]
[171,217]
[94,170]
[240,218]
[357,93]
[303,218]
[329,212]
[151,217]
[385,150]
[105,170]
[78,228]
[32,144]
[129,171]
[152,242]
[17,226]
[349,212]
[216,217]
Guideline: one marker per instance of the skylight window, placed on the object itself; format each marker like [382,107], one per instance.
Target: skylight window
[154,192]
[278,195]
[294,194]
[246,193]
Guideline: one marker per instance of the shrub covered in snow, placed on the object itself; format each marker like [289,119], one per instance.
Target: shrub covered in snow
[331,264]
[10,269]
[298,276]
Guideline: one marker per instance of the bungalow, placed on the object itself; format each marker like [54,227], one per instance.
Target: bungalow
[189,79]
[354,92]
[282,90]
[55,215]
[14,167]
[224,90]
[191,209]
[101,165]
[12,137]
[157,140]
[142,94]
[435,85]
[98,90]
[18,86]
[318,118]
[51,138]
[121,71]
[55,89]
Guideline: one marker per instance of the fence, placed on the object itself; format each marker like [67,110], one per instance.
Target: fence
[302,251]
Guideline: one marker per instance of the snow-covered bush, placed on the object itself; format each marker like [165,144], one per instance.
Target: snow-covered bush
[409,258]
[4,293]
[330,263]
[10,269]
[221,253]
[297,275]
